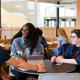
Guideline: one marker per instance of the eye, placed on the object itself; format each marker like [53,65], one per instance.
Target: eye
[73,37]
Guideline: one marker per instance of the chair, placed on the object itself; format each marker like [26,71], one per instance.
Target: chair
[10,73]
[59,76]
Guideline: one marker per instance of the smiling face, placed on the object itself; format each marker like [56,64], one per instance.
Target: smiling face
[74,39]
[25,31]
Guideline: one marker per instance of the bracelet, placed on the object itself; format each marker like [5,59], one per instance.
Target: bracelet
[37,67]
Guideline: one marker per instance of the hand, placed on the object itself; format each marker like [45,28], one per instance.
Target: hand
[59,59]
[41,68]
[53,59]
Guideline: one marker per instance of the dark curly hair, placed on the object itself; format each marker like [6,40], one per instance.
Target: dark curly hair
[32,36]
[40,32]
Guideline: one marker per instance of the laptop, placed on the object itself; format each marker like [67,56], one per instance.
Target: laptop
[35,59]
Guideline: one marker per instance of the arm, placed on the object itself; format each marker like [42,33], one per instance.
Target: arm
[53,59]
[69,61]
[58,45]
[20,63]
[16,46]
[60,59]
[59,42]
[14,49]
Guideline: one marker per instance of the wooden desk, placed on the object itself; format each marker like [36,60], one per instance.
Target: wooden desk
[52,45]
[51,42]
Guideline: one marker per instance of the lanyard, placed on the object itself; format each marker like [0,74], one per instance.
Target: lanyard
[75,54]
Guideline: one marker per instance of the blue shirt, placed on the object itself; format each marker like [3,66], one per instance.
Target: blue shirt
[62,40]
[43,41]
[69,51]
[18,48]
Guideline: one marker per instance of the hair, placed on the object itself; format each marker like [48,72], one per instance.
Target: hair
[40,32]
[77,32]
[61,32]
[32,36]
[18,34]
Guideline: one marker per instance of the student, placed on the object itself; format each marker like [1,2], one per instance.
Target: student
[41,38]
[62,39]
[42,41]
[6,58]
[25,43]
[72,54]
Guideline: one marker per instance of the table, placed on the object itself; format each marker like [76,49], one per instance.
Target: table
[51,42]
[53,68]
[52,45]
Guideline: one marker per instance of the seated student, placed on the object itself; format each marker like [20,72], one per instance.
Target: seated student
[6,58]
[41,38]
[72,54]
[25,45]
[62,39]
[42,41]
[63,48]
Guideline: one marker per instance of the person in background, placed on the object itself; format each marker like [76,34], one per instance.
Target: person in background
[62,39]
[42,41]
[72,54]
[41,38]
[6,58]
[24,44]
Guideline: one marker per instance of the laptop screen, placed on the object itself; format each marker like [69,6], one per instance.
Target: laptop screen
[35,59]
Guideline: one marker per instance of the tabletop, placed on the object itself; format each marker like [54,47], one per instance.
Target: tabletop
[53,68]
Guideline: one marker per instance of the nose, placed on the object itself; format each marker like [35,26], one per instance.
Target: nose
[24,30]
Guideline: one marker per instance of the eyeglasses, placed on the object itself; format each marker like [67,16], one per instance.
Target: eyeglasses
[73,37]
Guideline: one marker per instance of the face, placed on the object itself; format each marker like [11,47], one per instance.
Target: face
[74,39]
[25,31]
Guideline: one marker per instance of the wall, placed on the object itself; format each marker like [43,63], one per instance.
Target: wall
[78,14]
[48,33]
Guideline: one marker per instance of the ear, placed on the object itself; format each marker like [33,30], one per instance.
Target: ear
[79,39]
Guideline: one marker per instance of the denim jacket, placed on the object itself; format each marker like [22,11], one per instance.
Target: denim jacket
[18,48]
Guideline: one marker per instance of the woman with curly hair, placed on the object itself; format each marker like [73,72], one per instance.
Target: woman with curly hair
[24,44]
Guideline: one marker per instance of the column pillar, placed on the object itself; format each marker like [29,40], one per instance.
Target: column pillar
[57,19]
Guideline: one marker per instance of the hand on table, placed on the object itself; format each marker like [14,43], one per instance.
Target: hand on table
[41,67]
[59,59]
[53,59]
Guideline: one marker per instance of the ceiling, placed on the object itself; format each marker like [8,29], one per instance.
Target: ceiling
[71,4]
[55,1]
[49,1]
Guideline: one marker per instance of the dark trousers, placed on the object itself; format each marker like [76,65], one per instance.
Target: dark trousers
[19,75]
